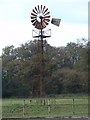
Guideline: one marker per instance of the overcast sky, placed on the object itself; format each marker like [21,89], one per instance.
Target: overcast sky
[16,27]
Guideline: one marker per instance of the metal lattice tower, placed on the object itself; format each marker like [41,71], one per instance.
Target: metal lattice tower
[40,18]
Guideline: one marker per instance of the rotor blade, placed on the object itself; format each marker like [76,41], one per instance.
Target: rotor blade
[33,20]
[46,16]
[34,11]
[47,13]
[41,7]
[47,20]
[35,23]
[33,17]
[38,9]
[46,10]
[33,14]
[43,25]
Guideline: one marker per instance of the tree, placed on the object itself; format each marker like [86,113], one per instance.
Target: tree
[65,69]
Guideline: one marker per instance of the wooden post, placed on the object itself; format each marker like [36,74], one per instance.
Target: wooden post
[49,106]
[44,102]
[73,107]
[49,109]
[23,108]
[30,101]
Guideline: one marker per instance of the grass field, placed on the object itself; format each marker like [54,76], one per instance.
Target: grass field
[44,107]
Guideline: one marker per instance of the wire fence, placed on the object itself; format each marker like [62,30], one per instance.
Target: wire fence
[27,108]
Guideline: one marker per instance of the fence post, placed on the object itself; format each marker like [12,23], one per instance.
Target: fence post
[73,107]
[49,106]
[30,101]
[23,108]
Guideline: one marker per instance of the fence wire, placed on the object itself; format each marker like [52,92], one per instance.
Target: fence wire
[45,108]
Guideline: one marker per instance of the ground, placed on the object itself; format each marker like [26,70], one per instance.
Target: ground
[47,119]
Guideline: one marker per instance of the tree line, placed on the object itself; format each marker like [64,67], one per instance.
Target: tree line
[65,69]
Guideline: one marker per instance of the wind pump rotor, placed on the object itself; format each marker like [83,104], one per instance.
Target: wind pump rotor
[40,17]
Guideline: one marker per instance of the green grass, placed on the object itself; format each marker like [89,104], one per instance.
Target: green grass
[53,107]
